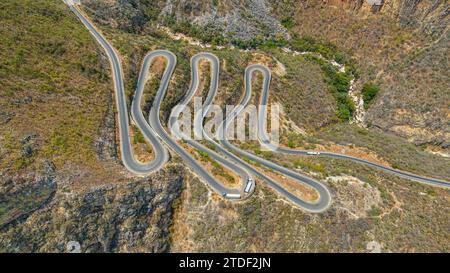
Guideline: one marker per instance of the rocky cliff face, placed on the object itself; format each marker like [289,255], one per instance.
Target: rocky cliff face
[431,16]
[237,19]
[402,46]
[128,15]
[234,19]
[250,18]
[415,99]
[130,217]
[21,195]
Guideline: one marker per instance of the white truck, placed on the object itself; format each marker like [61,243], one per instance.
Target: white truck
[312,153]
[232,195]
[249,185]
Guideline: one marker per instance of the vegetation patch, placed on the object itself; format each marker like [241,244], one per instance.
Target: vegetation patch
[338,84]
[217,169]
[288,22]
[309,44]
[369,91]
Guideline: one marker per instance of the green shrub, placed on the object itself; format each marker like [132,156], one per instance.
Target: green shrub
[327,50]
[369,91]
[310,166]
[338,85]
[287,22]
[375,211]
[203,154]
[294,140]
[138,136]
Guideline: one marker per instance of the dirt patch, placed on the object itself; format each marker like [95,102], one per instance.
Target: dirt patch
[222,174]
[354,196]
[298,189]
[355,151]
[142,150]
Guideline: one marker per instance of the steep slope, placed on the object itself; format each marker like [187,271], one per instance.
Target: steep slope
[233,19]
[398,39]
[130,217]
[402,46]
[60,178]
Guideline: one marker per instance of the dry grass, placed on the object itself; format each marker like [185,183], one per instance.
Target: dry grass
[55,83]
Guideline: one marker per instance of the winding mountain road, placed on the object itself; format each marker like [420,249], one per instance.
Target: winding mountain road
[225,152]
[319,205]
[153,130]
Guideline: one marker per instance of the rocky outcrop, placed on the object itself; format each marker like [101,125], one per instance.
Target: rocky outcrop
[131,217]
[21,195]
[6,117]
[243,20]
[236,20]
[127,15]
[106,143]
[430,16]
